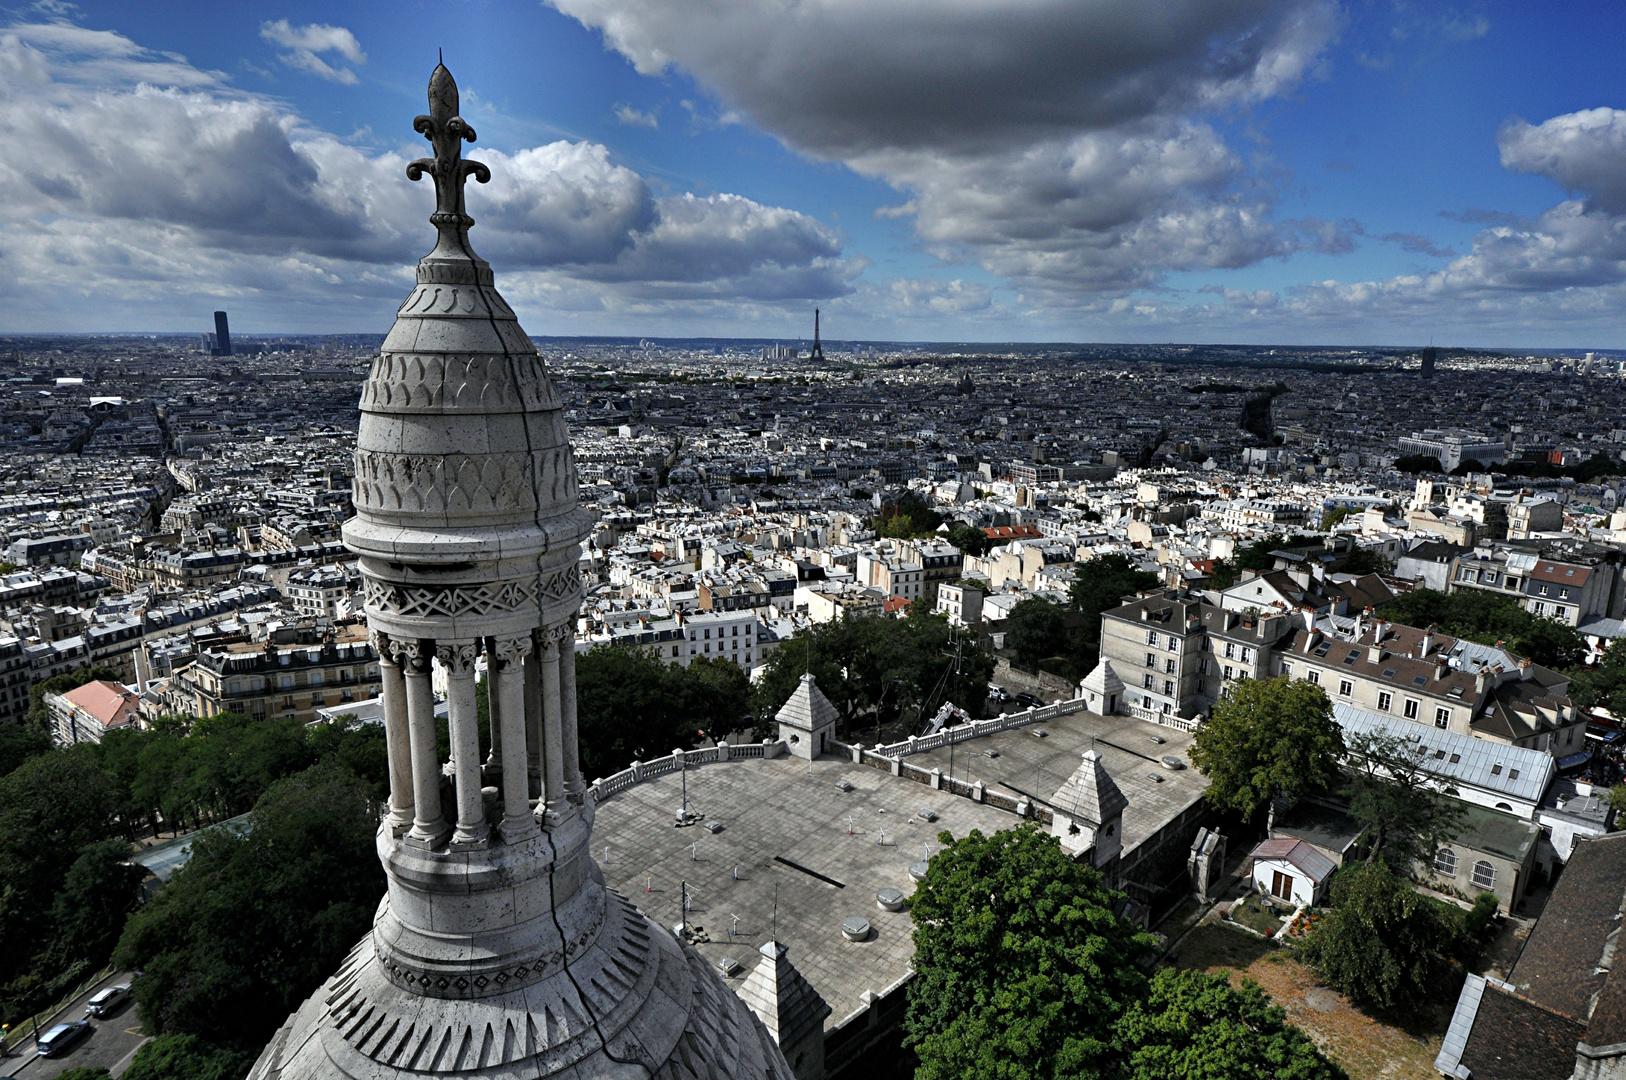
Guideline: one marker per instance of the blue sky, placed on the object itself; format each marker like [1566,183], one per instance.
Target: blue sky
[1275,171]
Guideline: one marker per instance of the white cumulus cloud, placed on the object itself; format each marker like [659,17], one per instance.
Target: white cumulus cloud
[308,42]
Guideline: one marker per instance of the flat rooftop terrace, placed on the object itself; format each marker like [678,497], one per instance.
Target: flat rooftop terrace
[1037,767]
[774,809]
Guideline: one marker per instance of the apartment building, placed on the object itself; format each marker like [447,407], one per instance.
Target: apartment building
[1431,678]
[1571,592]
[716,635]
[293,675]
[1160,648]
[961,603]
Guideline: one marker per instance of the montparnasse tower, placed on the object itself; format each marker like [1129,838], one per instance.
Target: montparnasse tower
[497,951]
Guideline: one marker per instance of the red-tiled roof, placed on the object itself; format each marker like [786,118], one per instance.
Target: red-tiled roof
[109,702]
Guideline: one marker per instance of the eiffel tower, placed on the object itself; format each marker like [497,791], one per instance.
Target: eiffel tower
[818,350]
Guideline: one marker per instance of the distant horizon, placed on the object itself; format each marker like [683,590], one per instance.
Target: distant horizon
[839,343]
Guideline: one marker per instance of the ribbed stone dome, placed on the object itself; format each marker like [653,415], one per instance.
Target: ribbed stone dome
[497,951]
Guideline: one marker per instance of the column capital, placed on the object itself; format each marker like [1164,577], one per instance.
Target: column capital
[413,655]
[510,652]
[457,656]
[380,643]
[547,643]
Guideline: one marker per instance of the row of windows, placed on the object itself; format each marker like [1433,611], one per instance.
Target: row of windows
[1169,641]
[1445,864]
[1410,708]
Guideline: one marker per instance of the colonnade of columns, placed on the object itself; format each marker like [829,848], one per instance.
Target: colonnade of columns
[533,760]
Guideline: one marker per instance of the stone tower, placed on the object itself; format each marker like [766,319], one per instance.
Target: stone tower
[497,951]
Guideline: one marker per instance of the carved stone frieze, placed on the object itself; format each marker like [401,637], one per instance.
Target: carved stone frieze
[449,601]
[476,383]
[444,484]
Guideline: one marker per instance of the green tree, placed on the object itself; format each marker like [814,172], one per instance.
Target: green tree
[1603,685]
[1418,463]
[879,670]
[259,916]
[907,518]
[970,541]
[1036,629]
[187,1057]
[98,892]
[51,808]
[1100,585]
[1197,1026]
[632,705]
[86,1072]
[1405,817]
[1489,619]
[19,743]
[1365,561]
[1267,737]
[1383,943]
[1023,970]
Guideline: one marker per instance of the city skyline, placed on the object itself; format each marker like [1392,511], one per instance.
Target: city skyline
[1288,172]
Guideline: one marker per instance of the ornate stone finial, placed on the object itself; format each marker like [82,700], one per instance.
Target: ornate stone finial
[446,131]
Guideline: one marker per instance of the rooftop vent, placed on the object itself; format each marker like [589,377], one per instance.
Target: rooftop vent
[713,827]
[1158,777]
[729,966]
[844,785]
[889,900]
[854,929]
[917,870]
[928,815]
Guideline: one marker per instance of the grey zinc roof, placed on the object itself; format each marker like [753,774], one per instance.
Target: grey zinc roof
[1089,794]
[782,997]
[1477,756]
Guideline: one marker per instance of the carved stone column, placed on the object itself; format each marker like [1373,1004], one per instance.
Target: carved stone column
[552,743]
[428,826]
[533,719]
[575,790]
[491,773]
[457,657]
[397,737]
[506,664]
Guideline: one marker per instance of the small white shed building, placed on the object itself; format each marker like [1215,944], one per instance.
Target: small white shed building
[1291,870]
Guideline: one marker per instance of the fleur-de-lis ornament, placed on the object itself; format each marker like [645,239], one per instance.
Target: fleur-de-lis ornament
[446,131]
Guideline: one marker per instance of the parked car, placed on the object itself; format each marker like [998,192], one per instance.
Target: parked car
[60,1038]
[106,1000]
[1028,701]
[998,692]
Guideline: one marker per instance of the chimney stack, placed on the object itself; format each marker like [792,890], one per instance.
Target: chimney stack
[1428,641]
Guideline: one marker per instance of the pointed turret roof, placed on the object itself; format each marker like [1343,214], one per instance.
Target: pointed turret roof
[1104,680]
[782,998]
[808,709]
[1090,795]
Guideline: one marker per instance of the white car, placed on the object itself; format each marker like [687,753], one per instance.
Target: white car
[107,999]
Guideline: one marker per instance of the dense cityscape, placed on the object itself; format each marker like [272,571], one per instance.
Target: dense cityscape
[172,515]
[1009,540]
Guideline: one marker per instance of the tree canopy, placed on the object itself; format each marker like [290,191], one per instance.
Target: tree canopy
[632,705]
[259,916]
[1025,972]
[1023,968]
[1604,684]
[1036,629]
[1405,816]
[1384,944]
[1196,1025]
[187,1057]
[876,669]
[907,518]
[1100,585]
[1488,619]
[970,541]
[1267,737]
